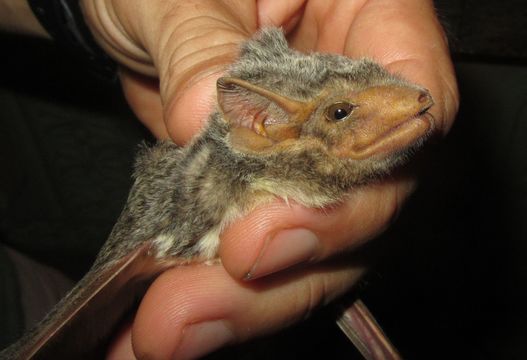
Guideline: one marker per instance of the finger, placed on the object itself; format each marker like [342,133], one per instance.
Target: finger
[325,25]
[198,43]
[121,346]
[186,44]
[277,236]
[285,14]
[142,94]
[410,42]
[191,311]
[405,36]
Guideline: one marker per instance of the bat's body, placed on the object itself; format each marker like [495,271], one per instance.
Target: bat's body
[306,128]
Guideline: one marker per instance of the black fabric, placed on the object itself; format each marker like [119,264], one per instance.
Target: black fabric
[454,283]
[490,29]
[64,21]
[67,143]
[11,315]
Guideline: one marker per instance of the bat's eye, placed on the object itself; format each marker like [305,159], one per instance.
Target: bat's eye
[339,111]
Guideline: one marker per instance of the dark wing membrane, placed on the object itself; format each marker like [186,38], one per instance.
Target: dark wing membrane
[80,326]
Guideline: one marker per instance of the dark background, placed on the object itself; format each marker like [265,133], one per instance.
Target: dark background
[454,284]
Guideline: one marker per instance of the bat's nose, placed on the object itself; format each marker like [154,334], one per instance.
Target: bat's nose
[424,96]
[425,101]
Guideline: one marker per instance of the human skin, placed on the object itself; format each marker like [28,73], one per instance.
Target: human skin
[171,54]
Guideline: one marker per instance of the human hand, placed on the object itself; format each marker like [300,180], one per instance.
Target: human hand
[190,311]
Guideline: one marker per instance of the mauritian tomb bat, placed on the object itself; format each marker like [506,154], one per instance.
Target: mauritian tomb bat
[307,128]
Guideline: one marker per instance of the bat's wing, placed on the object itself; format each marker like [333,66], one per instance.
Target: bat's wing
[360,327]
[80,325]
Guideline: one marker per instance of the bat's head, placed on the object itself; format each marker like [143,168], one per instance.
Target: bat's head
[275,99]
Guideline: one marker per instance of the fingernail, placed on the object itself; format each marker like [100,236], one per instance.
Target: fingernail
[203,338]
[287,248]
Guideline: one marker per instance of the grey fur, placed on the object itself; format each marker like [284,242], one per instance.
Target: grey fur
[168,198]
[183,193]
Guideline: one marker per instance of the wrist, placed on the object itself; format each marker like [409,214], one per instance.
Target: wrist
[151,37]
[114,27]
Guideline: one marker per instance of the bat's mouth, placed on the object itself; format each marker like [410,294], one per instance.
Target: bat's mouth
[401,136]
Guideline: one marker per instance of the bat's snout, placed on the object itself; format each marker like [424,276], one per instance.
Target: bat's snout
[390,119]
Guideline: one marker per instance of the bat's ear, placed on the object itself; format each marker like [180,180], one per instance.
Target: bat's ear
[247,109]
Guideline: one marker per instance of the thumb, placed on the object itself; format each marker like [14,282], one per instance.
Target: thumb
[201,43]
[186,44]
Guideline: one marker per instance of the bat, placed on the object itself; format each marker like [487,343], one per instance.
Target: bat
[303,127]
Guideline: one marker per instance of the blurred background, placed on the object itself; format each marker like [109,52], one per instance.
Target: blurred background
[453,284]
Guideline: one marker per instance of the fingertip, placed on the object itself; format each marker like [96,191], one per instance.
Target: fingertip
[285,249]
[202,338]
[187,113]
[166,327]
[286,14]
[244,242]
[142,94]
[278,236]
